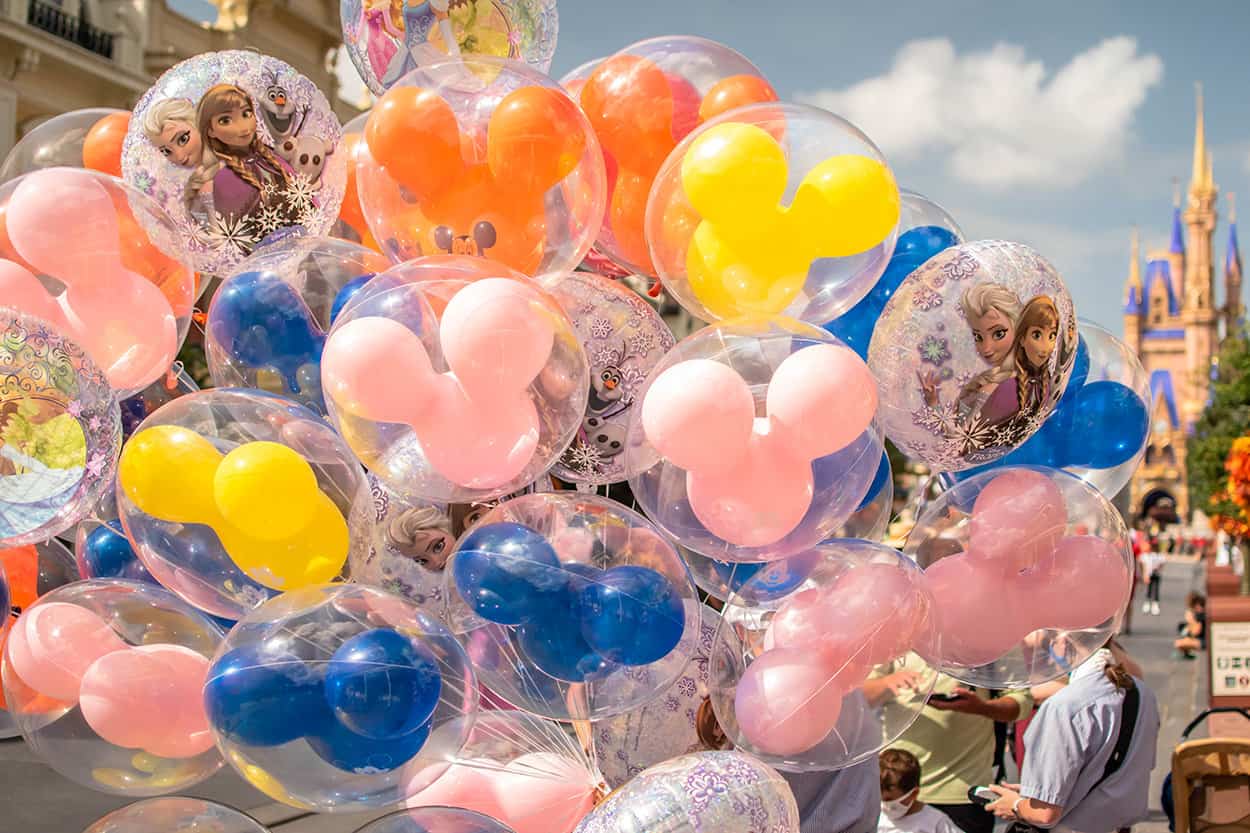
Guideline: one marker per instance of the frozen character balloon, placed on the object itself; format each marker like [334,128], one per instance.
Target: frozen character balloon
[423,533]
[171,126]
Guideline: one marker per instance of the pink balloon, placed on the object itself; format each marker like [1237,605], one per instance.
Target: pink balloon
[785,703]
[759,500]
[353,355]
[127,326]
[62,222]
[23,291]
[1017,520]
[821,398]
[476,444]
[1084,585]
[542,792]
[463,784]
[496,335]
[978,614]
[52,645]
[699,414]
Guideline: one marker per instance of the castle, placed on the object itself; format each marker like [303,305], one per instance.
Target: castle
[1173,323]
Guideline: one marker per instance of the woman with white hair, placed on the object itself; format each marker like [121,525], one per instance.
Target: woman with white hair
[170,125]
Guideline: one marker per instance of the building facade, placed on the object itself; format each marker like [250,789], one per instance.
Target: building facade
[1173,322]
[61,55]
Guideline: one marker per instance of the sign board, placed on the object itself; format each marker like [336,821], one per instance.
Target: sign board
[1230,659]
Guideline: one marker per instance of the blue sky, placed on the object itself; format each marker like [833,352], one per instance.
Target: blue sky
[1057,124]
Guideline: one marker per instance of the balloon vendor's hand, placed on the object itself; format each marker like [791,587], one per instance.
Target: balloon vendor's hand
[1003,806]
[966,702]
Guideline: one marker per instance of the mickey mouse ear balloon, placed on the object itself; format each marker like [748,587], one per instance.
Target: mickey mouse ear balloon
[387,39]
[772,209]
[237,147]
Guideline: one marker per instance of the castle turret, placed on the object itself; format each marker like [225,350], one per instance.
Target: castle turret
[1134,297]
[1198,312]
[1234,311]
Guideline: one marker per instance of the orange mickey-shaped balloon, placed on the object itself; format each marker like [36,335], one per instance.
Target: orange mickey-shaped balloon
[102,148]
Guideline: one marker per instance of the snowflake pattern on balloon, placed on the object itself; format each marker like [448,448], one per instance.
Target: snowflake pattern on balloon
[933,350]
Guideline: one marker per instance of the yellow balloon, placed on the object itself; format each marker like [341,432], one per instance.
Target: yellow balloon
[845,205]
[167,471]
[315,555]
[266,490]
[733,171]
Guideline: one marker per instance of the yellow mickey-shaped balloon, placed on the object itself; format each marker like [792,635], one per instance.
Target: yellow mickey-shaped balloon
[262,500]
[750,255]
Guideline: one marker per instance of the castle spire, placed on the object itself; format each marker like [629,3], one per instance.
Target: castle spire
[1232,273]
[1134,294]
[1134,266]
[1177,246]
[1200,179]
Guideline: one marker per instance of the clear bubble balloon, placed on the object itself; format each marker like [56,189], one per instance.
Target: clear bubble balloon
[434,820]
[170,813]
[351,224]
[319,697]
[388,40]
[624,339]
[572,607]
[272,168]
[104,680]
[725,245]
[529,773]
[1030,571]
[90,138]
[454,379]
[734,486]
[30,571]
[797,680]
[135,409]
[745,796]
[269,318]
[102,550]
[122,290]
[972,353]
[438,173]
[1100,427]
[641,102]
[230,496]
[62,432]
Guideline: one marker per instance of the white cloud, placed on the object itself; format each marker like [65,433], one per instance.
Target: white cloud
[995,117]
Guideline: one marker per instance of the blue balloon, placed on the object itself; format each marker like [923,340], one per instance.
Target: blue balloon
[343,749]
[759,581]
[913,248]
[508,573]
[107,554]
[261,321]
[260,695]
[345,295]
[1109,424]
[878,481]
[632,615]
[554,641]
[197,549]
[383,685]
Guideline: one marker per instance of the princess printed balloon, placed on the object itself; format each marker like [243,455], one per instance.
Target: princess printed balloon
[972,353]
[387,39]
[236,146]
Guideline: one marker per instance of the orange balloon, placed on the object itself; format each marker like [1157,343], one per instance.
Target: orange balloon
[413,133]
[102,149]
[627,213]
[734,92]
[350,212]
[535,139]
[21,570]
[630,106]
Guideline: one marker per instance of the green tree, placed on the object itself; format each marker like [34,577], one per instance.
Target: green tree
[1226,418]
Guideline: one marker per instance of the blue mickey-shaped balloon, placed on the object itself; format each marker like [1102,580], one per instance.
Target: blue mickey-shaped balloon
[914,247]
[508,573]
[106,553]
[344,296]
[261,321]
[266,695]
[554,642]
[765,581]
[632,615]
[382,684]
[343,749]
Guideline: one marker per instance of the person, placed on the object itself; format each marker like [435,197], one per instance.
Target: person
[1070,777]
[1193,631]
[170,125]
[1152,570]
[238,173]
[901,807]
[954,740]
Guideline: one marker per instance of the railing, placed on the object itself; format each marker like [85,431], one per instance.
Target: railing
[53,20]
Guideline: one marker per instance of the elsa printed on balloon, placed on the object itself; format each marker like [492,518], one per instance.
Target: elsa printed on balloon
[237,147]
[986,332]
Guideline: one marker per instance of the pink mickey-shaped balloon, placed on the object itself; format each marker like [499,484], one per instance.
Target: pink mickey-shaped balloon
[699,414]
[463,784]
[1082,586]
[979,615]
[1017,520]
[22,290]
[52,645]
[496,336]
[63,223]
[349,370]
[126,324]
[760,499]
[542,792]
[478,444]
[809,621]
[786,703]
[820,399]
